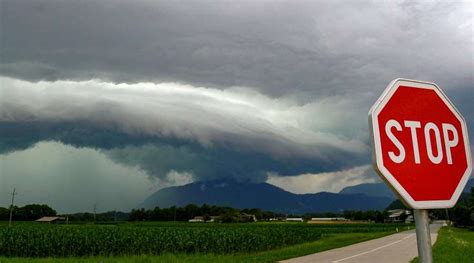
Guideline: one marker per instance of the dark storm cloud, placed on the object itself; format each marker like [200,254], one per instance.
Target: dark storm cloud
[278,47]
[159,128]
[153,154]
[310,71]
[209,164]
[158,156]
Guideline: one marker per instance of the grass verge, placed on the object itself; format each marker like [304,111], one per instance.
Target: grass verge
[453,245]
[325,243]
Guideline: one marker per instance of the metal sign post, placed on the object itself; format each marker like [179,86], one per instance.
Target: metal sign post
[423,236]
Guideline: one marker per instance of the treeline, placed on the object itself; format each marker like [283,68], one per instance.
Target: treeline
[462,214]
[27,212]
[206,212]
[229,214]
[223,214]
[91,217]
[370,215]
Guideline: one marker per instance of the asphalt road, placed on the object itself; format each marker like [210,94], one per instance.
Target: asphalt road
[397,248]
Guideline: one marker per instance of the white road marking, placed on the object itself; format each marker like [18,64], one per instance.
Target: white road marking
[373,250]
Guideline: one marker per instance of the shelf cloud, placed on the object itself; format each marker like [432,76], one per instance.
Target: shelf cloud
[273,91]
[238,121]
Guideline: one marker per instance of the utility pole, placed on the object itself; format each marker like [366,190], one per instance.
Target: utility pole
[174,213]
[95,208]
[447,216]
[11,207]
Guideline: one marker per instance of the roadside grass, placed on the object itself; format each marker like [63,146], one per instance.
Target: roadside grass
[325,243]
[453,245]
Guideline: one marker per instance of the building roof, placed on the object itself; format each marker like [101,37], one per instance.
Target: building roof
[329,219]
[49,218]
[294,219]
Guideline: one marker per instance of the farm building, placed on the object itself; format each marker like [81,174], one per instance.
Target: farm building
[328,219]
[214,218]
[198,219]
[50,219]
[250,217]
[194,220]
[400,215]
[277,219]
[325,220]
[294,219]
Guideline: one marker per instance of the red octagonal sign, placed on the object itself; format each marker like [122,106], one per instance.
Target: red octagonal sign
[420,144]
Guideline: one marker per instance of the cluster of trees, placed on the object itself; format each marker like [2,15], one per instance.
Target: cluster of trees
[225,214]
[91,217]
[369,215]
[229,214]
[27,212]
[357,215]
[462,214]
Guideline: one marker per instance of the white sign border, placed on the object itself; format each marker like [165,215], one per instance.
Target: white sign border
[377,158]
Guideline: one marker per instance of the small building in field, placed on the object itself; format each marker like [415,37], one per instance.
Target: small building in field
[50,219]
[249,217]
[294,219]
[277,219]
[200,219]
[410,219]
[400,216]
[214,219]
[327,220]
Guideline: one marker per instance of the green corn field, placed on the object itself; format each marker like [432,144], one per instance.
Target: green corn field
[50,240]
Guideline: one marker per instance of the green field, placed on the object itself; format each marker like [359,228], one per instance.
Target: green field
[179,242]
[453,245]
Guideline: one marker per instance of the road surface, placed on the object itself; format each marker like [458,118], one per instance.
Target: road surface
[397,248]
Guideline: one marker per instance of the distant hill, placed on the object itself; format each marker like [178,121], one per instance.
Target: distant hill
[261,195]
[382,189]
[469,184]
[374,190]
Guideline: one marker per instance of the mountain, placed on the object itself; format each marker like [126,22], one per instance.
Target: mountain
[469,184]
[375,190]
[383,190]
[261,195]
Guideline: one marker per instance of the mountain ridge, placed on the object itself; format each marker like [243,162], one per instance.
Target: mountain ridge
[370,189]
[261,195]
[382,189]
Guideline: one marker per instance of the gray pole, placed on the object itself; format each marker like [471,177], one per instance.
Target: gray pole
[95,208]
[11,208]
[423,238]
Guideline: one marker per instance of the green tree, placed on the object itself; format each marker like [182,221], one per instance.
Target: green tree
[33,212]
[462,216]
[138,215]
[4,213]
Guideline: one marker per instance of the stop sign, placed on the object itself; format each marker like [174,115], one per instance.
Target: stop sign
[420,144]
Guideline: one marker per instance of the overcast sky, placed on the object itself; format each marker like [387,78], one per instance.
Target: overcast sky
[104,102]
